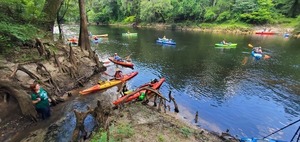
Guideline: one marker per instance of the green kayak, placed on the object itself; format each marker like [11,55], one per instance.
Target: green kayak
[226,45]
[129,34]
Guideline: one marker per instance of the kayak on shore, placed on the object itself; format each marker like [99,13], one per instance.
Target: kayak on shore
[107,84]
[122,63]
[153,84]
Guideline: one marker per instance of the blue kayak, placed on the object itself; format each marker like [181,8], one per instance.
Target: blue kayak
[166,41]
[256,55]
[259,140]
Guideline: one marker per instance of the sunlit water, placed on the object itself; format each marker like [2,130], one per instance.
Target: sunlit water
[229,88]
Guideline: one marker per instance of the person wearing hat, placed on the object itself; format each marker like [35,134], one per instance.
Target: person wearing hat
[118,74]
[117,58]
[257,50]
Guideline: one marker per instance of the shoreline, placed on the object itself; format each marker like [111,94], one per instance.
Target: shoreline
[277,29]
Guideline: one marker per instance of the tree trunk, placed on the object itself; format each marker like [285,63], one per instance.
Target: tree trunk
[50,10]
[84,42]
[16,91]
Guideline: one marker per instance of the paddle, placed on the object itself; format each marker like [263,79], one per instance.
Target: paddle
[265,56]
[250,45]
[127,58]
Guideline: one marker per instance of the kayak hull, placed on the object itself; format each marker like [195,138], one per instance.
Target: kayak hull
[107,84]
[122,63]
[103,35]
[155,85]
[265,33]
[164,41]
[226,45]
[129,34]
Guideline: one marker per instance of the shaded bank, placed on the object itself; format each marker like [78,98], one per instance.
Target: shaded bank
[218,28]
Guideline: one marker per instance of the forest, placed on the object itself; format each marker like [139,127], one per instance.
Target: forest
[21,20]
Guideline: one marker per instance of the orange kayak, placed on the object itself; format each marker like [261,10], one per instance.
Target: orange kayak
[122,63]
[154,85]
[107,84]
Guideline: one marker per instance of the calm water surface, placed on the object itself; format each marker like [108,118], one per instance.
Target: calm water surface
[229,89]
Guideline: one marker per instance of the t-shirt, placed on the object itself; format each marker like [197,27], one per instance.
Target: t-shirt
[44,98]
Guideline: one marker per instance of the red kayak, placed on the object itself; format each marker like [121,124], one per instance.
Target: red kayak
[154,85]
[122,63]
[107,84]
[265,33]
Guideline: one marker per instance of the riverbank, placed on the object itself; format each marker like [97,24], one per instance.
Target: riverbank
[236,28]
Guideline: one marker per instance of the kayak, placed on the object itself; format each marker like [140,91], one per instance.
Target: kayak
[225,45]
[259,140]
[129,34]
[73,40]
[107,84]
[103,35]
[166,41]
[154,85]
[122,63]
[265,33]
[256,55]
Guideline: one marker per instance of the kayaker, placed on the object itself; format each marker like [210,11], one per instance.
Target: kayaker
[224,42]
[257,50]
[117,58]
[164,38]
[118,74]
[41,101]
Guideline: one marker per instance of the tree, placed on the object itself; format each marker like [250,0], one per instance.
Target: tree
[84,41]
[49,14]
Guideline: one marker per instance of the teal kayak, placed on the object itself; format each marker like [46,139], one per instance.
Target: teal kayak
[226,45]
[129,34]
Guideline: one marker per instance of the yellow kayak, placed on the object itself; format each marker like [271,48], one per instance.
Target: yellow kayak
[106,84]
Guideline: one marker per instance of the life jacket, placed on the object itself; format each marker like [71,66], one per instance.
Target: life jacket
[118,75]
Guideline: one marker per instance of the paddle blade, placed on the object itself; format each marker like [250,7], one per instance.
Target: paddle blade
[250,45]
[267,57]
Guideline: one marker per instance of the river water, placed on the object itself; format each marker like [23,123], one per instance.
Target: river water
[229,88]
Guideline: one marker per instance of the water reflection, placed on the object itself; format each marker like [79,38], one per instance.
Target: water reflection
[230,89]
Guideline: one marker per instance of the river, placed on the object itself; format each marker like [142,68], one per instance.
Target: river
[228,87]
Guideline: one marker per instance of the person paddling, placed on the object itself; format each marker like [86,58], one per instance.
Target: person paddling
[117,57]
[224,42]
[118,74]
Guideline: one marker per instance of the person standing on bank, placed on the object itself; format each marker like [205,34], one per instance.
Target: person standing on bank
[40,100]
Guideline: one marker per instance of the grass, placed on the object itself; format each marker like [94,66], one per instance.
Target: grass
[117,133]
[186,132]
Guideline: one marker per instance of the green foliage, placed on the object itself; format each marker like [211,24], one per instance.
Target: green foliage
[223,16]
[186,131]
[32,9]
[210,15]
[155,11]
[116,133]
[161,138]
[129,19]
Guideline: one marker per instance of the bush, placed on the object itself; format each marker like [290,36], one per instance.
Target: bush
[129,19]
[223,16]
